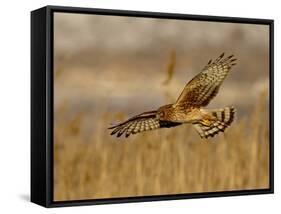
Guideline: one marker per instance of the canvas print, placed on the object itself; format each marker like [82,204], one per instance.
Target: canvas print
[152,106]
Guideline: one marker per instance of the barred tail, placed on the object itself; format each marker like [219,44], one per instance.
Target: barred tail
[224,118]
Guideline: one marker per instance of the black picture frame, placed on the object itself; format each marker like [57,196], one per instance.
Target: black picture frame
[42,104]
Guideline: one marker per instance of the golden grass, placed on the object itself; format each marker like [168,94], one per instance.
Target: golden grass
[170,68]
[166,161]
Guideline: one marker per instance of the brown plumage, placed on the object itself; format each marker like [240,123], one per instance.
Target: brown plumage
[197,93]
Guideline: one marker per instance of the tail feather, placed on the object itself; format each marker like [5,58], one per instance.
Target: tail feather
[224,118]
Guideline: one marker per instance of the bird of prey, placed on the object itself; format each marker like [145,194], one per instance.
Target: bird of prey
[188,108]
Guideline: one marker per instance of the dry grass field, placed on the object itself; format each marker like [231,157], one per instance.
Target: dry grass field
[160,162]
[107,79]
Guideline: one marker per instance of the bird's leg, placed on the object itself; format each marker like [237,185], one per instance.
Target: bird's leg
[206,122]
[207,119]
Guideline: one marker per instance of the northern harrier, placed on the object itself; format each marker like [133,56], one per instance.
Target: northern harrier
[197,93]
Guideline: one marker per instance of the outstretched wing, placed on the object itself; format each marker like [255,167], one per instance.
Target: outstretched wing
[203,87]
[142,122]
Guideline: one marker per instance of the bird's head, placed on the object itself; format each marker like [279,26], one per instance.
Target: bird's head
[162,112]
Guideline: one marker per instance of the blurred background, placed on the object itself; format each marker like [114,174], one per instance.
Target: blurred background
[109,68]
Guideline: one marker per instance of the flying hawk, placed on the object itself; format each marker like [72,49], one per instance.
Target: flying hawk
[188,108]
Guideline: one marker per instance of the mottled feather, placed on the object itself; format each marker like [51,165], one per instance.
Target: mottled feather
[204,87]
[142,122]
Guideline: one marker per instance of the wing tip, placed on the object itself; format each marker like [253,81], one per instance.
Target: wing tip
[112,126]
